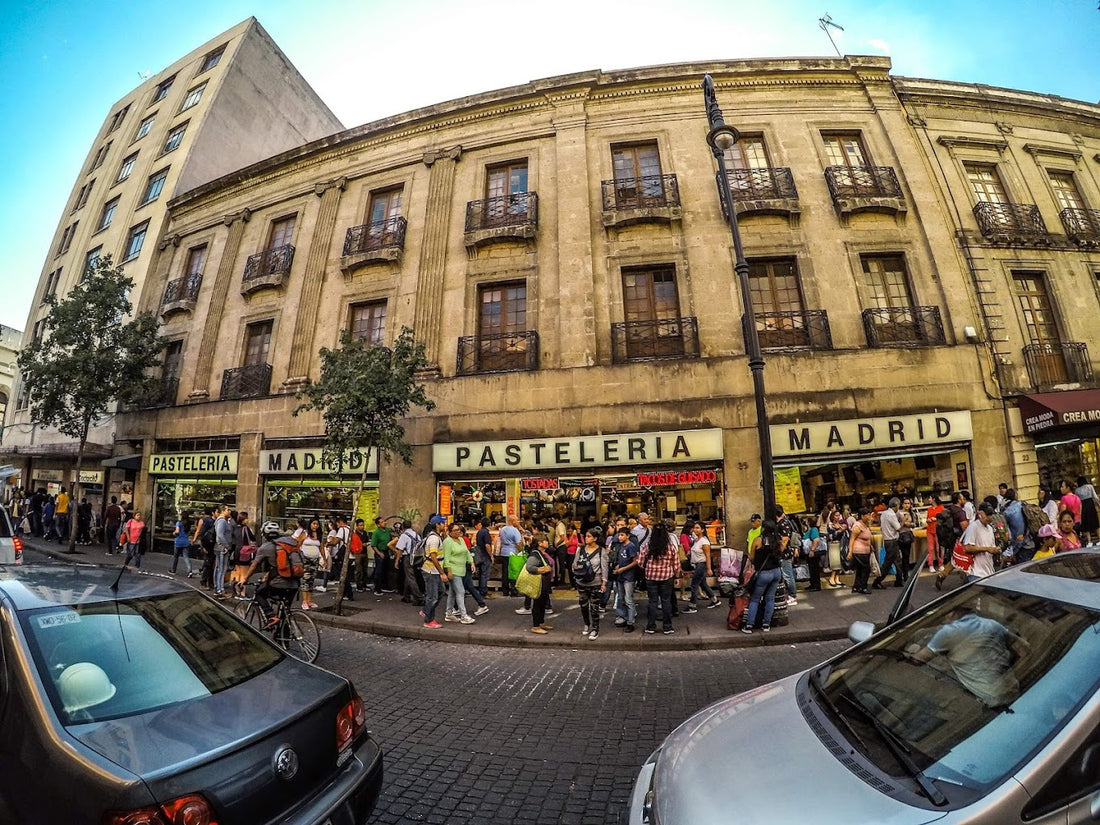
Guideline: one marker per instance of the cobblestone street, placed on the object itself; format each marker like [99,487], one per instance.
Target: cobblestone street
[487,735]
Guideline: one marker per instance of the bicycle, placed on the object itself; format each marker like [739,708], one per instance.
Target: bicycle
[295,632]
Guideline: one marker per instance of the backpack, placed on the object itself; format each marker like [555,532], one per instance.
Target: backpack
[288,561]
[583,570]
[1034,517]
[356,544]
[207,538]
[416,553]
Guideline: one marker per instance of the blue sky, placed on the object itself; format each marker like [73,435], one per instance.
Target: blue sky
[65,63]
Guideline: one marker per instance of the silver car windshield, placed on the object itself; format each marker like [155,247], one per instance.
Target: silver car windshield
[971,688]
[115,659]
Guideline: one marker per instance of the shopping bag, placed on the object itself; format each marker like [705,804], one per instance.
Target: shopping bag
[528,583]
[515,564]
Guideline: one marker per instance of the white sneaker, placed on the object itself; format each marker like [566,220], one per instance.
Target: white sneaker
[549,612]
[792,600]
[523,611]
[450,617]
[586,630]
[320,588]
[467,620]
[481,611]
[594,634]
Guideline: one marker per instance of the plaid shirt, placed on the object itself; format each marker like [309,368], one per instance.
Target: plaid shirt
[659,569]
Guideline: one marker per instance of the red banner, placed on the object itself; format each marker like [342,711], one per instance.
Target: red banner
[685,477]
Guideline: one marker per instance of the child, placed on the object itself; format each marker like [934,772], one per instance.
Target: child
[1048,542]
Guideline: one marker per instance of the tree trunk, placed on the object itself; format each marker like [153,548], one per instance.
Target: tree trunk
[73,487]
[346,565]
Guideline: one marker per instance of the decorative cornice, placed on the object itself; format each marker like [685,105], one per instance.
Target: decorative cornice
[1035,150]
[243,215]
[917,120]
[340,183]
[171,240]
[971,143]
[1003,128]
[431,156]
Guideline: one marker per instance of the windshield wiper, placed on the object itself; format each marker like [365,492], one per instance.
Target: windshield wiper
[900,749]
[819,689]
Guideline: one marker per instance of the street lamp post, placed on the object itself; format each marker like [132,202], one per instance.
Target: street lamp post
[720,138]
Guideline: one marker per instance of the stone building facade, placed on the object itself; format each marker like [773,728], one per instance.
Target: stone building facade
[232,101]
[561,249]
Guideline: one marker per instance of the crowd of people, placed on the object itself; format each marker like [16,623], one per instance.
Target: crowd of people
[53,516]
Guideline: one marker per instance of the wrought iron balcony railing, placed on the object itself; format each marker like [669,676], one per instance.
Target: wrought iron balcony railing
[1018,221]
[647,340]
[1082,225]
[649,191]
[163,393]
[762,184]
[252,381]
[862,182]
[372,237]
[794,330]
[500,352]
[904,327]
[1051,364]
[516,210]
[270,262]
[182,290]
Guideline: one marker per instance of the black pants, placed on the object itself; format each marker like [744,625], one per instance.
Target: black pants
[659,592]
[814,563]
[538,604]
[905,551]
[892,558]
[563,566]
[861,563]
[413,586]
[206,577]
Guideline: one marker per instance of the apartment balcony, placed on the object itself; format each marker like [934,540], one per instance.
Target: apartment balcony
[506,218]
[651,198]
[904,327]
[864,189]
[1012,223]
[1082,226]
[501,352]
[794,330]
[269,268]
[378,242]
[180,295]
[760,192]
[652,340]
[252,381]
[1050,365]
[163,393]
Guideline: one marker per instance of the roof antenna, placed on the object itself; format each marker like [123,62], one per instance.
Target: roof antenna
[118,578]
[824,23]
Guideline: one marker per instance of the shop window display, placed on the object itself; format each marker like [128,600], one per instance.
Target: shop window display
[188,498]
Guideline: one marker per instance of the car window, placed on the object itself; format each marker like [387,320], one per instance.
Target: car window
[973,686]
[114,659]
[1080,775]
[5,524]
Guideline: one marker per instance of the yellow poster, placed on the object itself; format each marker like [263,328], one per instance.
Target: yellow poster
[368,508]
[788,490]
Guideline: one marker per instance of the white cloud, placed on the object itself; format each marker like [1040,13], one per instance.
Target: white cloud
[881,45]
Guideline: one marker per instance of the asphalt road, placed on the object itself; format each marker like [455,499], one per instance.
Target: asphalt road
[485,735]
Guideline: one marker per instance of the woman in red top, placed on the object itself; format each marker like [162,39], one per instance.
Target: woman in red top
[131,537]
[1068,538]
[935,552]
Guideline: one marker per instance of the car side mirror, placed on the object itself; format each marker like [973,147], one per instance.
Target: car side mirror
[860,631]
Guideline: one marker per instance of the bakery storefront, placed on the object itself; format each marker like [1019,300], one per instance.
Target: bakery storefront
[299,483]
[861,461]
[1066,429]
[185,484]
[673,475]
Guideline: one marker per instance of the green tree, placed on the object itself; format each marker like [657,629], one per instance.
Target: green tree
[88,358]
[364,392]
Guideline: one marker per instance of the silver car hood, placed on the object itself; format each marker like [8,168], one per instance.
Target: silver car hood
[752,759]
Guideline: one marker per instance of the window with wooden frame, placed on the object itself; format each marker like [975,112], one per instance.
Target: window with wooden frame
[985,183]
[637,171]
[653,327]
[281,232]
[385,207]
[1065,189]
[196,259]
[257,343]
[1044,353]
[173,360]
[845,149]
[778,305]
[505,192]
[502,326]
[891,310]
[367,321]
[750,152]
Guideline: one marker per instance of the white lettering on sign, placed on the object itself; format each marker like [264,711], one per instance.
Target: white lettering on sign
[862,434]
[310,461]
[199,464]
[578,452]
[1080,416]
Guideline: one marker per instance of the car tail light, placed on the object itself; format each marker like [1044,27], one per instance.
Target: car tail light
[192,809]
[17,543]
[350,722]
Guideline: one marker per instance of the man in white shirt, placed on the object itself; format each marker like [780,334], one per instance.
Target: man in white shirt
[891,526]
[981,543]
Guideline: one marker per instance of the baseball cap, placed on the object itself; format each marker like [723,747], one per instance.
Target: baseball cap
[438,520]
[754,517]
[1047,531]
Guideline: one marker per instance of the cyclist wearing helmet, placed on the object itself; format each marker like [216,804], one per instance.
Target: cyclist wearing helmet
[273,585]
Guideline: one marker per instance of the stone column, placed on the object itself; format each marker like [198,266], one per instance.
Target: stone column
[227,271]
[433,250]
[309,302]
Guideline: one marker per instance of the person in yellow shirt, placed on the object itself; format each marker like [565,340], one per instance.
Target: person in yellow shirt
[61,516]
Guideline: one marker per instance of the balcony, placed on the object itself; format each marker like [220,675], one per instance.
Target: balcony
[269,268]
[252,381]
[794,330]
[904,327]
[651,198]
[864,189]
[1012,223]
[503,352]
[1082,226]
[507,218]
[180,294]
[760,192]
[378,242]
[651,340]
[1050,365]
[162,393]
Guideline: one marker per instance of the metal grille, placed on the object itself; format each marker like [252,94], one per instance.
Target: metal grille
[904,327]
[252,381]
[761,184]
[1058,363]
[275,261]
[862,182]
[182,289]
[519,209]
[646,191]
[646,340]
[1081,224]
[805,329]
[371,237]
[500,352]
[1020,219]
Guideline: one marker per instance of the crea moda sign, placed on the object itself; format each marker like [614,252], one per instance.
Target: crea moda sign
[578,452]
[310,461]
[886,433]
[193,464]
